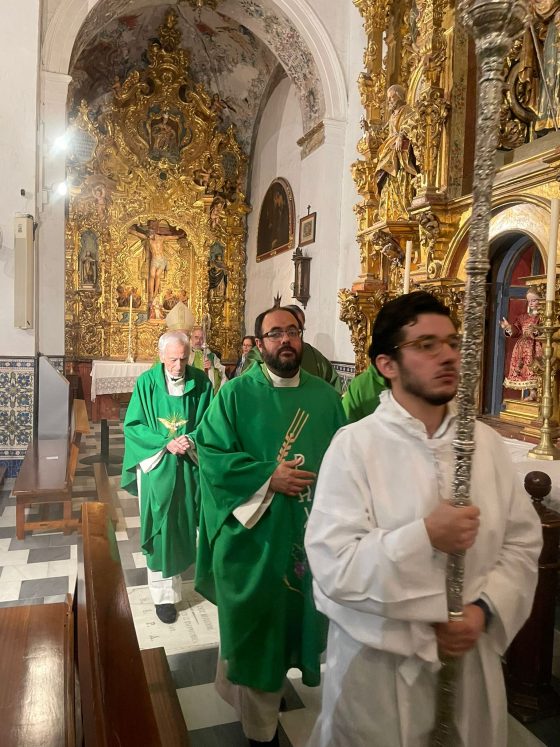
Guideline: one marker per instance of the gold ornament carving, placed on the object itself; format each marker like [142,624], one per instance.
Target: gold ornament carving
[157,199]
[359,309]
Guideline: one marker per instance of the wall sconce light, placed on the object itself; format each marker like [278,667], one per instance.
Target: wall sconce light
[302,275]
[54,192]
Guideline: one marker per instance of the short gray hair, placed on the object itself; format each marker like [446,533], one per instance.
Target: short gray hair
[172,336]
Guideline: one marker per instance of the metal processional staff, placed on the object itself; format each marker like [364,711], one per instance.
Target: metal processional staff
[493,24]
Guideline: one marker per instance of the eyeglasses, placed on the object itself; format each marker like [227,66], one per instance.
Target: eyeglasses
[277,334]
[432,345]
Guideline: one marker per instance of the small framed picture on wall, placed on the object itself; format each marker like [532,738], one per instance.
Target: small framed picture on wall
[307,226]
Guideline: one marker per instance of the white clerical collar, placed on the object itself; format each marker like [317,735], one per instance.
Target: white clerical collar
[281,381]
[174,381]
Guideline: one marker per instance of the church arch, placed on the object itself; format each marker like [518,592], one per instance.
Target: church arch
[528,215]
[69,17]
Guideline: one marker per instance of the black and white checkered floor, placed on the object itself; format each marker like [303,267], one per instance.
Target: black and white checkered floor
[42,568]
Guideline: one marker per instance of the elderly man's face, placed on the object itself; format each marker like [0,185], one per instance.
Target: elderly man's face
[175,357]
[196,339]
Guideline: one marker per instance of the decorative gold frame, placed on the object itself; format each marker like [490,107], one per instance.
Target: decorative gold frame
[284,185]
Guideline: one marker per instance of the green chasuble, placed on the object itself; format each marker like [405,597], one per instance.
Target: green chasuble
[170,491]
[313,361]
[362,396]
[259,577]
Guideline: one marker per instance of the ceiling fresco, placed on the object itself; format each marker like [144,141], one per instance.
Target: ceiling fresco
[225,57]
[234,52]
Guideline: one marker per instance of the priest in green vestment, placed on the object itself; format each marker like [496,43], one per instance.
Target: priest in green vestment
[260,446]
[362,396]
[204,359]
[312,360]
[160,466]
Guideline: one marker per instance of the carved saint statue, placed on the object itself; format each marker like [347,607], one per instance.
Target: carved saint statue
[164,141]
[217,274]
[89,271]
[87,263]
[396,164]
[549,11]
[541,87]
[527,349]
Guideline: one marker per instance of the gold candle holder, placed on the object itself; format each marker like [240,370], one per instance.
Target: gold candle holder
[545,449]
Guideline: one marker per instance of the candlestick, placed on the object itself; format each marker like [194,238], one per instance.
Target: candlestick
[552,244]
[129,358]
[407,263]
[546,449]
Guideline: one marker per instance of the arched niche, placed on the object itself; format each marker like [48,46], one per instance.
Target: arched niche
[522,216]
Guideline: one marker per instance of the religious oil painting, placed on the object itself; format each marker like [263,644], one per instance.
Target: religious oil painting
[307,226]
[276,220]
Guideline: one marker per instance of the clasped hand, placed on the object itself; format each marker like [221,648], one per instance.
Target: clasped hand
[452,529]
[179,445]
[289,480]
[457,637]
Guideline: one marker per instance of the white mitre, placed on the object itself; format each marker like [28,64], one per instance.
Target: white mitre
[180,317]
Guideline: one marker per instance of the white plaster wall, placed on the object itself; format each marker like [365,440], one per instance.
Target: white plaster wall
[276,155]
[50,236]
[335,19]
[322,180]
[349,258]
[19,45]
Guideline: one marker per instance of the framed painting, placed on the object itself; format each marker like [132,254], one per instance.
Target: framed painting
[307,226]
[276,220]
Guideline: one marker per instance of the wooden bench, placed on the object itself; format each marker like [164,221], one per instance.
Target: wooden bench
[128,697]
[37,680]
[104,490]
[46,476]
[80,420]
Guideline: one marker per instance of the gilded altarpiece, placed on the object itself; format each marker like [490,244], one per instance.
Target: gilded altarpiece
[156,212]
[414,169]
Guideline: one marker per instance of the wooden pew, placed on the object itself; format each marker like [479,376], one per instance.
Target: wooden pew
[105,490]
[128,697]
[37,676]
[80,420]
[46,476]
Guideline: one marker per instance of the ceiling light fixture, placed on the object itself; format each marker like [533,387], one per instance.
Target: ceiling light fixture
[198,5]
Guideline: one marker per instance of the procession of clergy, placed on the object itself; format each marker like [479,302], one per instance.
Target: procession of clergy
[319,522]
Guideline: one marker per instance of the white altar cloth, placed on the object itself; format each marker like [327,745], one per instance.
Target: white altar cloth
[115,377]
